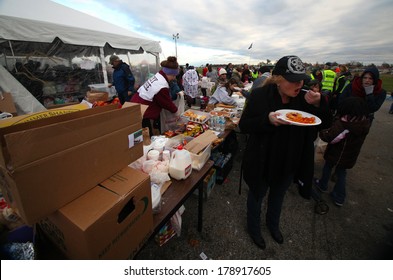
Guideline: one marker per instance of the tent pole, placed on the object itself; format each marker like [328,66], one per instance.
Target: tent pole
[13,56]
[128,57]
[103,64]
[157,55]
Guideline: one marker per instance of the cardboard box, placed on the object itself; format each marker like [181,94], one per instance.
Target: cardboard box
[201,142]
[209,182]
[7,103]
[199,160]
[200,148]
[111,221]
[96,96]
[47,163]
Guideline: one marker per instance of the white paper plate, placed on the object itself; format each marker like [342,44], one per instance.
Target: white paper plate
[304,114]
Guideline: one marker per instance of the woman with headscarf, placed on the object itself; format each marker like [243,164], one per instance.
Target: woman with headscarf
[155,93]
[190,84]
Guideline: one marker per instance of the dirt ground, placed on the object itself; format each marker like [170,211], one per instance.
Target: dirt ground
[360,230]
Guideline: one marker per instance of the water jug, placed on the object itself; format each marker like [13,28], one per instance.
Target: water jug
[180,164]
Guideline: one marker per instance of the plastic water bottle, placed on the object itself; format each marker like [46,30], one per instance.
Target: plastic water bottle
[221,121]
[211,122]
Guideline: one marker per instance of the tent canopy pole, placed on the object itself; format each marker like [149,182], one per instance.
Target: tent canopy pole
[103,63]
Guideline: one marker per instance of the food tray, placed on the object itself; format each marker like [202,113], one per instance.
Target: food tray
[226,112]
[196,116]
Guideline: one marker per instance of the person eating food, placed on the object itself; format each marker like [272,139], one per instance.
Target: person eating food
[276,147]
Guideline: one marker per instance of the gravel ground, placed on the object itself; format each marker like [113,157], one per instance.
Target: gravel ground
[360,230]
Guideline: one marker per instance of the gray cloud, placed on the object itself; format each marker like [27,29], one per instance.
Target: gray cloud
[334,30]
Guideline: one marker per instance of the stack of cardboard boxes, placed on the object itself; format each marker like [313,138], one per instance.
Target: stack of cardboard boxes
[69,173]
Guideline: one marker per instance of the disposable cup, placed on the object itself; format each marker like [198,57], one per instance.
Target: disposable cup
[153,155]
[148,166]
[166,155]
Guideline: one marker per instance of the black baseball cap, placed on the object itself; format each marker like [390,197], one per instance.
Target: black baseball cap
[291,68]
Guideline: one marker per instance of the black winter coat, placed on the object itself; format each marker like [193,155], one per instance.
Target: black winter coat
[345,152]
[274,152]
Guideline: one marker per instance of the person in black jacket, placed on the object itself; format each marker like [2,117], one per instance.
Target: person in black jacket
[275,148]
[305,175]
[345,139]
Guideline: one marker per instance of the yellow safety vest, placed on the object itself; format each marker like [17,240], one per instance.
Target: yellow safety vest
[254,75]
[347,82]
[328,77]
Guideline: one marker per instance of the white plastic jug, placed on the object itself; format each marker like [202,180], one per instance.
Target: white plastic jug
[180,164]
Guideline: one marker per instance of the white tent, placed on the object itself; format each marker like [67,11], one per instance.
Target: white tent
[20,29]
[47,27]
[43,20]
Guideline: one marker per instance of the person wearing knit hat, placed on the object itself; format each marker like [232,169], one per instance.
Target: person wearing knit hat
[155,93]
[222,72]
[369,87]
[222,78]
[123,79]
[170,66]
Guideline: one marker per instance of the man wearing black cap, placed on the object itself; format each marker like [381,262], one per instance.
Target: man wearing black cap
[276,149]
[123,79]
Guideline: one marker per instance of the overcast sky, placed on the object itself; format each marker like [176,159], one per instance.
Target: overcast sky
[221,31]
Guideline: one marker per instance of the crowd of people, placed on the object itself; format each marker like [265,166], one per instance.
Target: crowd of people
[279,153]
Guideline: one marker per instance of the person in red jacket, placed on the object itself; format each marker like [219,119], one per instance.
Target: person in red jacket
[369,87]
[205,70]
[156,94]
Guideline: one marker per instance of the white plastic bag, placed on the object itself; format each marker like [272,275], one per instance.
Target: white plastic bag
[169,120]
[320,147]
[176,220]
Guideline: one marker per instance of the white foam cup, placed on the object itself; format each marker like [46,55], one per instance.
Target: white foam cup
[153,155]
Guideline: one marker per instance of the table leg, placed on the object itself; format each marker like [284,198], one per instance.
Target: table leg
[200,206]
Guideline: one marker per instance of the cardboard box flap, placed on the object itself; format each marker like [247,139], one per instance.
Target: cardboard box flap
[198,144]
[26,146]
[119,183]
[104,198]
[90,206]
[38,116]
[23,125]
